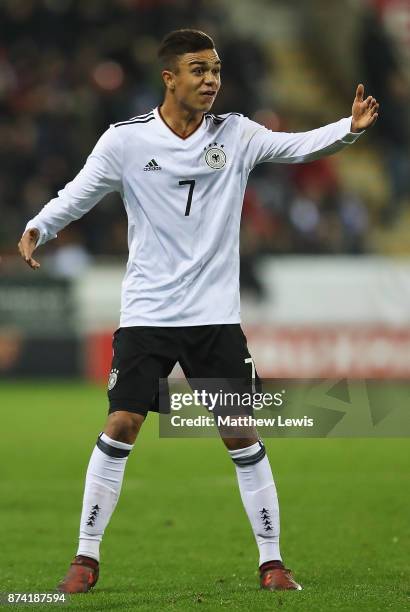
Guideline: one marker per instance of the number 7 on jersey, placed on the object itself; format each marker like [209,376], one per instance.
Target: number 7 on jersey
[190,192]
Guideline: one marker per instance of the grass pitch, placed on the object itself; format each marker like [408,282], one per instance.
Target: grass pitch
[179,539]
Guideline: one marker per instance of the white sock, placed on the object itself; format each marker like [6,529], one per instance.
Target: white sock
[259,497]
[102,489]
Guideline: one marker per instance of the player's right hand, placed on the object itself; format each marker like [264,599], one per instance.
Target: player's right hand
[27,245]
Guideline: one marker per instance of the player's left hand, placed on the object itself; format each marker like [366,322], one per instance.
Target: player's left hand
[27,245]
[364,112]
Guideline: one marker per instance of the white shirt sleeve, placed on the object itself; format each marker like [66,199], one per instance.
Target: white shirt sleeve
[101,174]
[263,145]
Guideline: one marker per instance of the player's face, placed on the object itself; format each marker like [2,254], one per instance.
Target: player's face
[197,80]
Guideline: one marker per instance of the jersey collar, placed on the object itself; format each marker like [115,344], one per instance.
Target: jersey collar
[170,132]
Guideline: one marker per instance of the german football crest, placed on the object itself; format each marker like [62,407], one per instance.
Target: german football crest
[215,156]
[112,379]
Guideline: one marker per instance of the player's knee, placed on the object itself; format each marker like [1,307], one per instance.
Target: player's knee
[124,426]
[232,443]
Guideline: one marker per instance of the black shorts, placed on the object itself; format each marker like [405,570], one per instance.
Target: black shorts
[143,355]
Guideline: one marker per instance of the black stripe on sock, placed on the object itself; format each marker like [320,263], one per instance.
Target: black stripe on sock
[111,451]
[258,456]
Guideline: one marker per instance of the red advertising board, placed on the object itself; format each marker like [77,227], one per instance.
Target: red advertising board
[352,351]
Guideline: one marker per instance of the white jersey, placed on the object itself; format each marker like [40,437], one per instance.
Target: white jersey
[183,199]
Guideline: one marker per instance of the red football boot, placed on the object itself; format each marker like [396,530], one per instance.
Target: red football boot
[276,577]
[81,576]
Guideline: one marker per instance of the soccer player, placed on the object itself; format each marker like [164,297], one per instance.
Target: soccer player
[182,173]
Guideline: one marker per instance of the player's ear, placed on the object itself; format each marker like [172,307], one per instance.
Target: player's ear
[169,79]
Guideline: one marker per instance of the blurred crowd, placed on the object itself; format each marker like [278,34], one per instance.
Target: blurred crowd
[385,71]
[69,68]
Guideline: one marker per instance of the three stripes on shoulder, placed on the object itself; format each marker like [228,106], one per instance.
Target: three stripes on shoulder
[139,119]
[217,119]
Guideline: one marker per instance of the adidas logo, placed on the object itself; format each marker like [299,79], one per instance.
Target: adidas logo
[152,165]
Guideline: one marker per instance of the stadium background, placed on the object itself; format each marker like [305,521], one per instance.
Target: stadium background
[325,274]
[325,279]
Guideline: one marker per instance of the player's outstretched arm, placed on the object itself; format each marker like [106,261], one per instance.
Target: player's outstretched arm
[364,112]
[100,175]
[262,145]
[27,246]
